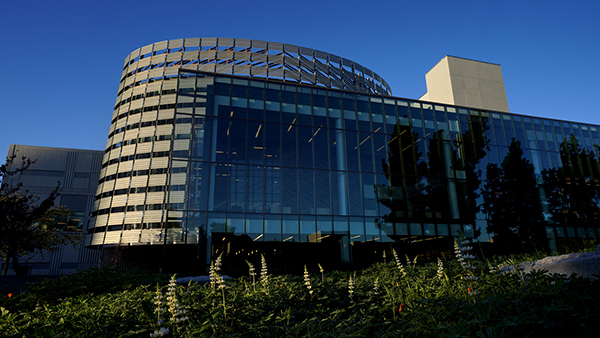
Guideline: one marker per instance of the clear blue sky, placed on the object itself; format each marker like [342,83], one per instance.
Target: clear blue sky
[61,60]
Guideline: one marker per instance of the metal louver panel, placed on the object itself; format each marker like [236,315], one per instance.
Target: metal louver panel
[157,180]
[178,179]
[127,150]
[152,216]
[151,236]
[108,186]
[104,203]
[225,42]
[192,42]
[122,183]
[144,147]
[146,49]
[155,197]
[133,217]
[259,44]
[112,237]
[141,164]
[181,144]
[160,162]
[177,197]
[123,167]
[136,199]
[174,57]
[176,43]
[97,239]
[116,218]
[243,43]
[165,115]
[130,236]
[147,131]
[138,181]
[208,41]
[118,201]
[161,146]
[160,46]
[101,220]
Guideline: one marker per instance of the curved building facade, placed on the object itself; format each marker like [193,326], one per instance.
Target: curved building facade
[247,147]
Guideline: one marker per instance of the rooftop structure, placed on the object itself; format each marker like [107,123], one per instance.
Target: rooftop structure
[467,83]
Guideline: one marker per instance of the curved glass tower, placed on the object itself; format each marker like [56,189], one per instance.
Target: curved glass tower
[246,147]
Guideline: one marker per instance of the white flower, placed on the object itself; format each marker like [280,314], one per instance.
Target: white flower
[398,264]
[440,270]
[350,288]
[160,332]
[264,276]
[307,281]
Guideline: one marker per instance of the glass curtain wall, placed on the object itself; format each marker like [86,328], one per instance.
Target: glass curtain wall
[268,162]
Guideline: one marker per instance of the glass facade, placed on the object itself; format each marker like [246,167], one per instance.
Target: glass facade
[242,164]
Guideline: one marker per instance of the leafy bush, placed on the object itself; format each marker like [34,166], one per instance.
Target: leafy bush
[458,298]
[94,281]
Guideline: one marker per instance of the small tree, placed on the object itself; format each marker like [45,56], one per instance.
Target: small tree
[28,222]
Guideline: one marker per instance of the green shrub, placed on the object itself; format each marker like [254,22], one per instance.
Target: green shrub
[429,300]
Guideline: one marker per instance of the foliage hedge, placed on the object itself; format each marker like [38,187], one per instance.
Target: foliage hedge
[422,301]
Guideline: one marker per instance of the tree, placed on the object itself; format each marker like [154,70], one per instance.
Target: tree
[28,222]
[573,189]
[512,203]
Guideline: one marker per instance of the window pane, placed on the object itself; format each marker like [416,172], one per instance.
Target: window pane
[321,147]
[305,146]
[352,151]
[273,144]
[289,145]
[237,145]
[322,193]
[254,189]
[290,191]
[272,190]
[307,193]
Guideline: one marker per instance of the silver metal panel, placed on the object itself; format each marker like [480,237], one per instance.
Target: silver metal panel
[225,42]
[354,80]
[243,43]
[259,44]
[160,45]
[192,42]
[175,43]
[278,46]
[208,42]
[146,49]
[290,48]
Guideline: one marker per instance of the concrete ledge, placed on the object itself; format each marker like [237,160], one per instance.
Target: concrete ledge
[197,279]
[585,264]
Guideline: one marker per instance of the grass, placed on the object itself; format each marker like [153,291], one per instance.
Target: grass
[424,301]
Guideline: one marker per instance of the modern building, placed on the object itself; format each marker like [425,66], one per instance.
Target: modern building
[77,170]
[247,147]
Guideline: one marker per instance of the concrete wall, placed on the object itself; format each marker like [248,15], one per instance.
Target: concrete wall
[77,170]
[468,83]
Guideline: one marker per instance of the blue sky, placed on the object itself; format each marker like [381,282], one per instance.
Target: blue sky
[61,60]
